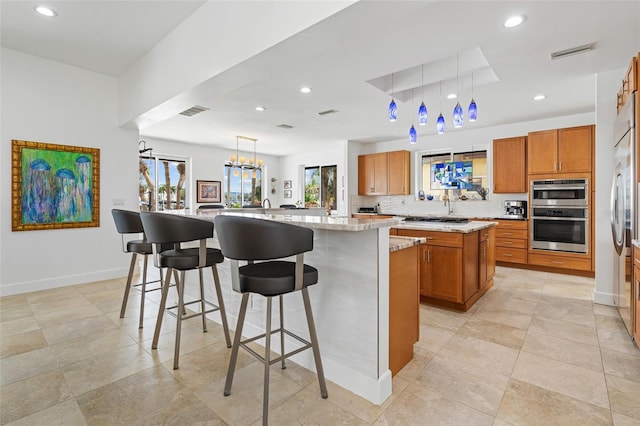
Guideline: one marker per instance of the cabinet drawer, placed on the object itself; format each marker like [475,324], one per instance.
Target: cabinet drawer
[560,262]
[517,234]
[511,243]
[513,255]
[448,239]
[636,256]
[512,224]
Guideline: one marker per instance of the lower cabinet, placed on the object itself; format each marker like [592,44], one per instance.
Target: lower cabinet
[636,295]
[456,269]
[511,241]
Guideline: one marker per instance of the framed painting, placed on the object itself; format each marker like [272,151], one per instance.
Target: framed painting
[287,193]
[287,184]
[208,191]
[54,186]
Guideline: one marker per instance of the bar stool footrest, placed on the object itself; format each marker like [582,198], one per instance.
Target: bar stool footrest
[306,345]
[215,308]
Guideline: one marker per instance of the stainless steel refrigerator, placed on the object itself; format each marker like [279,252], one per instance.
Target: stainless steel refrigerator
[624,209]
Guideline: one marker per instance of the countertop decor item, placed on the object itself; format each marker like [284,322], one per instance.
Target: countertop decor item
[483,193]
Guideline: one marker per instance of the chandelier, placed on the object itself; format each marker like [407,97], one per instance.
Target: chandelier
[251,164]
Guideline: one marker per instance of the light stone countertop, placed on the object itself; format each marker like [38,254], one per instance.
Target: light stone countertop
[463,228]
[397,243]
[636,243]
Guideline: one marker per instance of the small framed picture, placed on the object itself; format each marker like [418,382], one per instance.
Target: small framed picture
[208,191]
[287,193]
[287,185]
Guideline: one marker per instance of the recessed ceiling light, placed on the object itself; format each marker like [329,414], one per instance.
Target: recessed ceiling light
[514,21]
[452,96]
[260,108]
[46,11]
[305,89]
[539,97]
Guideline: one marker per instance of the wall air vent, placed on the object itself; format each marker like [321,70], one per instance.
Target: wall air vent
[194,110]
[573,51]
[285,126]
[329,111]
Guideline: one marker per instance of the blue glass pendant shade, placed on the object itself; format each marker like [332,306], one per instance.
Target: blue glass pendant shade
[457,115]
[473,110]
[413,136]
[440,124]
[422,114]
[393,111]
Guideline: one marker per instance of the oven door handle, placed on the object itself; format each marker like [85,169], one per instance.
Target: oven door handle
[572,219]
[618,240]
[554,187]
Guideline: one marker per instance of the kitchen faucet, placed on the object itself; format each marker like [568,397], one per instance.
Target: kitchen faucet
[447,203]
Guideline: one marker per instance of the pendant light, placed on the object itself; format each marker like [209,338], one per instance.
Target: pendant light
[413,136]
[422,110]
[473,108]
[440,122]
[457,110]
[393,110]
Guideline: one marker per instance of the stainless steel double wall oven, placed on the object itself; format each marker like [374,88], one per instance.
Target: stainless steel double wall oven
[560,215]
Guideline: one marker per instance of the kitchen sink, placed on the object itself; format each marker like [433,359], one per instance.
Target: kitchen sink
[441,219]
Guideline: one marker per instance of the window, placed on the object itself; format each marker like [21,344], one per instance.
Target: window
[162,183]
[464,171]
[242,185]
[320,186]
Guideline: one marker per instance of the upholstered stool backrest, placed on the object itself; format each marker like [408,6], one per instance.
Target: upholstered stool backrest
[244,238]
[162,228]
[127,222]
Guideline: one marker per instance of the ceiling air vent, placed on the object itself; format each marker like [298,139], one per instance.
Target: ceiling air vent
[194,110]
[285,126]
[329,111]
[573,51]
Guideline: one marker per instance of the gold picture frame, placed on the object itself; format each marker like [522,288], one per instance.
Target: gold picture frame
[54,186]
[208,191]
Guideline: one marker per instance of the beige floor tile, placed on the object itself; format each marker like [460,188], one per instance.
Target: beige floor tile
[505,317]
[624,396]
[533,288]
[90,346]
[622,420]
[132,313]
[481,354]
[558,327]
[148,328]
[620,364]
[29,396]
[418,406]
[26,364]
[574,313]
[14,307]
[564,350]
[493,332]
[110,367]
[467,384]
[308,407]
[568,290]
[60,300]
[527,404]
[421,358]
[613,335]
[70,314]
[191,338]
[449,320]
[432,338]
[152,396]
[570,380]
[66,413]
[19,326]
[605,310]
[21,343]
[77,329]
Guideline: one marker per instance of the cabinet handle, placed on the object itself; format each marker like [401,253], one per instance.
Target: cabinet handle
[507,233]
[638,293]
[507,254]
[557,262]
[507,243]
[424,256]
[560,166]
[428,256]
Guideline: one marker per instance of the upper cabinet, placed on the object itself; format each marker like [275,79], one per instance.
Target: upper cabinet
[629,83]
[509,165]
[560,151]
[384,173]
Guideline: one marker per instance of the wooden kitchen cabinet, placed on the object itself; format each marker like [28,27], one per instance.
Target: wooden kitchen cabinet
[629,83]
[566,150]
[512,241]
[510,165]
[636,296]
[450,267]
[384,173]
[487,257]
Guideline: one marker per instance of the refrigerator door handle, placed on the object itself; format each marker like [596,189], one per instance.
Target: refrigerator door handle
[618,240]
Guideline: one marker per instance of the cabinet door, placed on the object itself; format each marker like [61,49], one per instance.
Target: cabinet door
[636,302]
[509,165]
[366,183]
[486,257]
[574,149]
[380,168]
[399,172]
[482,265]
[542,152]
[443,275]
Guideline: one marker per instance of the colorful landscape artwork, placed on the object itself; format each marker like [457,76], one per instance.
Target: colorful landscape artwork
[54,186]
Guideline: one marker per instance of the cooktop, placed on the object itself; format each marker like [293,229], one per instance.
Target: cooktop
[436,219]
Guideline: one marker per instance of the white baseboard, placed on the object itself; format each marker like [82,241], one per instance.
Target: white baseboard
[603,298]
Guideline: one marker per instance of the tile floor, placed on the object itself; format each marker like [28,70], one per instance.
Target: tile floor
[534,350]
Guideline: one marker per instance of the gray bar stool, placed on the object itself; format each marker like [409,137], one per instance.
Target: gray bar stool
[260,243]
[127,223]
[162,228]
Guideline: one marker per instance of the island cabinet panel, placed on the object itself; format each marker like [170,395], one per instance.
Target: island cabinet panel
[636,296]
[567,150]
[510,165]
[512,241]
[404,306]
[384,173]
[450,266]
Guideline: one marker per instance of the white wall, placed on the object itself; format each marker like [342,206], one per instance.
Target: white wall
[46,101]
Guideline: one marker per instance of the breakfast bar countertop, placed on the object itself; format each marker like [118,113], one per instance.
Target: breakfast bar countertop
[397,243]
[463,228]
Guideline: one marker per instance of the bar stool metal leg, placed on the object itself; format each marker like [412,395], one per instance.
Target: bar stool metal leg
[163,303]
[267,364]
[283,366]
[236,344]
[144,290]
[223,312]
[179,315]
[128,286]
[202,306]
[314,342]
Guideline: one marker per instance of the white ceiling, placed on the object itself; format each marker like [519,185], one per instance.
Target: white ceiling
[340,55]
